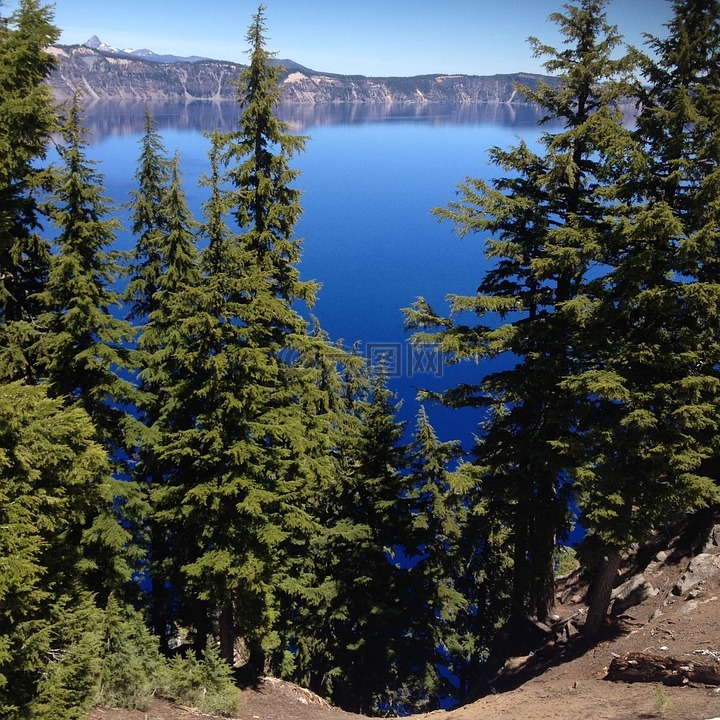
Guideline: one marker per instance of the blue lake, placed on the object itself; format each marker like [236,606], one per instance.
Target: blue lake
[370,177]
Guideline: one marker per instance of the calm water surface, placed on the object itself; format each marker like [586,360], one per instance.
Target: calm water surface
[370,177]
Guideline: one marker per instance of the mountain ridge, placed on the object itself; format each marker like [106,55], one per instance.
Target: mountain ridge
[94,43]
[103,72]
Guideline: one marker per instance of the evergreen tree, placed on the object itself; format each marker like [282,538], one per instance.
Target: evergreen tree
[359,651]
[546,217]
[233,433]
[340,384]
[147,222]
[27,119]
[479,569]
[82,349]
[650,414]
[146,264]
[433,542]
[174,272]
[58,537]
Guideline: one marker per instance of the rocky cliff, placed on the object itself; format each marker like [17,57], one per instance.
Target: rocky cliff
[104,76]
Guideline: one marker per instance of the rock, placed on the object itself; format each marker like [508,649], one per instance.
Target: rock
[713,540]
[130,76]
[701,568]
[645,667]
[633,592]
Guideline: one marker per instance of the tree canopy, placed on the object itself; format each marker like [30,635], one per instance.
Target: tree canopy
[179,436]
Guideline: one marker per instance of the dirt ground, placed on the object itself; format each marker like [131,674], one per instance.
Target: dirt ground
[567,684]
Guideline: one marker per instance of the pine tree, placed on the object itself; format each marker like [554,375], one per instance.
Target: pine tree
[546,217]
[174,272]
[148,223]
[340,383]
[480,570]
[82,349]
[433,544]
[27,119]
[145,266]
[258,156]
[650,412]
[58,537]
[359,650]
[233,433]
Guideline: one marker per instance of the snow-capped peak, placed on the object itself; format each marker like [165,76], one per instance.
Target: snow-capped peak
[96,44]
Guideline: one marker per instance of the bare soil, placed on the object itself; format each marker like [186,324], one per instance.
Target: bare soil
[560,679]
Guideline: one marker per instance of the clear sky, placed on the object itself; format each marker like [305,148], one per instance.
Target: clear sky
[367,37]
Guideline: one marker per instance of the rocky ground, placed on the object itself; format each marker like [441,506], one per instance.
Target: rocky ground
[667,605]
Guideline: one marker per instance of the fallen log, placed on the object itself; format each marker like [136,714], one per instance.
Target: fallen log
[645,667]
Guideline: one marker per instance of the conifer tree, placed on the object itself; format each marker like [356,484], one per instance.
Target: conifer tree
[340,383]
[233,434]
[145,267]
[362,642]
[27,119]
[433,542]
[82,349]
[174,270]
[258,155]
[147,222]
[546,218]
[59,541]
[651,406]
[479,569]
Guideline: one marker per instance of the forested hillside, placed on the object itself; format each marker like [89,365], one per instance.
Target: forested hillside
[198,484]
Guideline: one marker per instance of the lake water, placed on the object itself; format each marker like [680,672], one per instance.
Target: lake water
[370,177]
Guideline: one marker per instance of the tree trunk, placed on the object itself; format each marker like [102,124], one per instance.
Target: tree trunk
[600,594]
[542,598]
[256,658]
[520,580]
[227,634]
[202,628]
[544,582]
[159,596]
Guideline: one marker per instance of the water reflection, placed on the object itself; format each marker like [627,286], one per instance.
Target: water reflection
[123,117]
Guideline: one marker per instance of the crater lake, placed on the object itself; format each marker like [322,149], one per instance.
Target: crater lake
[370,176]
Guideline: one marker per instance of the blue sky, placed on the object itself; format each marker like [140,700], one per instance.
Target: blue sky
[368,37]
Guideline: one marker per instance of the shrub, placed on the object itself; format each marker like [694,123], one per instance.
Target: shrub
[205,684]
[132,666]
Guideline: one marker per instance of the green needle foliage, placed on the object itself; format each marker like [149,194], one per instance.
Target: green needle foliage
[652,386]
[174,271]
[145,266]
[433,546]
[82,350]
[355,648]
[148,223]
[545,218]
[58,536]
[83,347]
[27,119]
[283,507]
[237,449]
[602,291]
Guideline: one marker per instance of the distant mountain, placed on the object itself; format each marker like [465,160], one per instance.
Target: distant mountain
[104,72]
[95,43]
